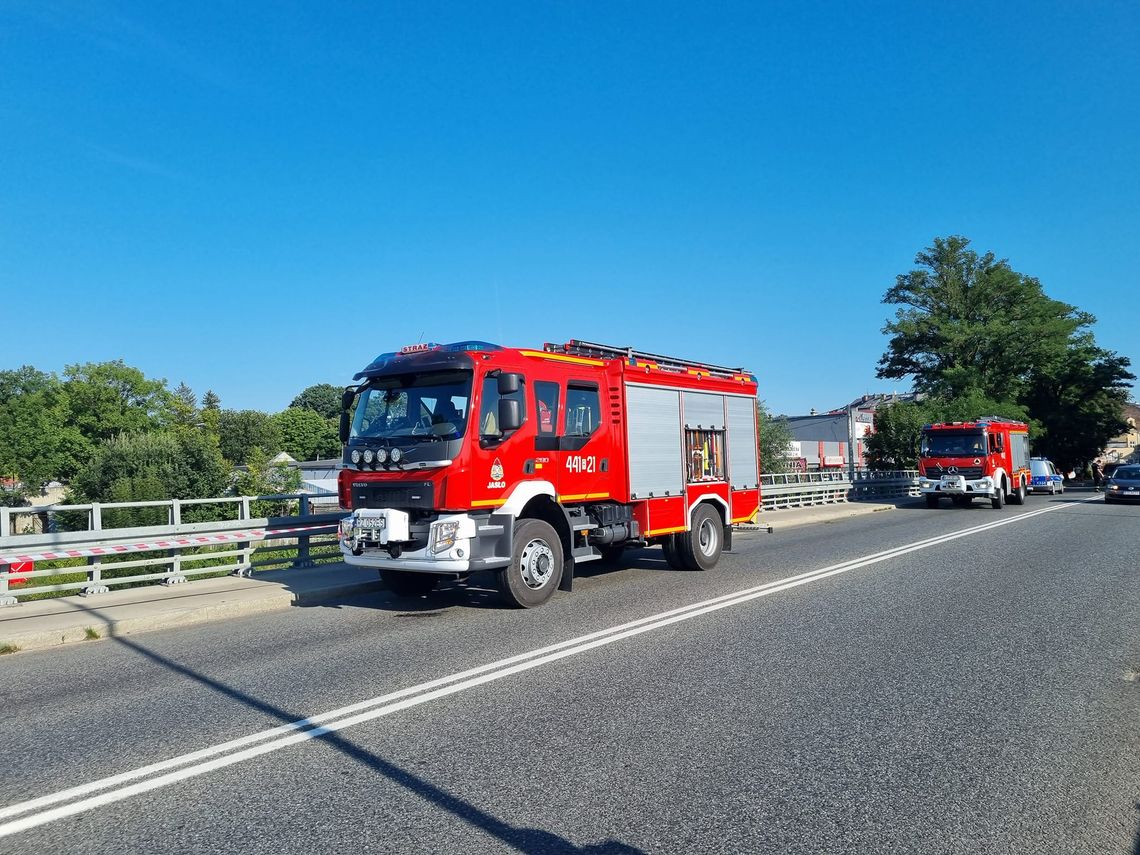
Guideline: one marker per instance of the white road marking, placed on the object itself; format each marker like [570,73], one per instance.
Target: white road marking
[224,754]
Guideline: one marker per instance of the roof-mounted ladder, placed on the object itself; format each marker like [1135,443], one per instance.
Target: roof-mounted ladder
[576,347]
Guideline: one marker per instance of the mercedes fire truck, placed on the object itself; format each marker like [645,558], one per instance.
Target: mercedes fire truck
[987,458]
[470,456]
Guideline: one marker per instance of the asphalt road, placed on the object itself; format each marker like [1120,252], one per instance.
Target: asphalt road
[976,693]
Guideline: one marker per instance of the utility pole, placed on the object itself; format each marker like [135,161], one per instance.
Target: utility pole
[851,442]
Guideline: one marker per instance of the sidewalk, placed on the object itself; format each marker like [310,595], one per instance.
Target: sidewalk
[64,620]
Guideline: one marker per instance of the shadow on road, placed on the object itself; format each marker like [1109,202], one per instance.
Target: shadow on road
[528,840]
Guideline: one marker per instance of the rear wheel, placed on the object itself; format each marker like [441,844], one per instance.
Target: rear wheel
[700,546]
[536,565]
[997,500]
[932,500]
[405,584]
[1017,497]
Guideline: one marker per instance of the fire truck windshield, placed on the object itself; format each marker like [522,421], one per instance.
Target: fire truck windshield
[953,444]
[429,405]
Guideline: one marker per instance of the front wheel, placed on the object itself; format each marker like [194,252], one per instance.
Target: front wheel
[701,545]
[405,584]
[997,500]
[536,565]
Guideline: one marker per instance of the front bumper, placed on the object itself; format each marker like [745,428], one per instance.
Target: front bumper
[957,485]
[447,544]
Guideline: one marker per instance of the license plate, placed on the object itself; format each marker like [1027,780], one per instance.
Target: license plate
[1130,492]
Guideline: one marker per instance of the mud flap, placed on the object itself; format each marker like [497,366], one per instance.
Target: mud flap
[567,583]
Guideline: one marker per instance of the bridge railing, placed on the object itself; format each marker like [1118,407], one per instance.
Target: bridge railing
[803,489]
[90,548]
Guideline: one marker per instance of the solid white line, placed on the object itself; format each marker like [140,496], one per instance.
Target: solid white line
[329,722]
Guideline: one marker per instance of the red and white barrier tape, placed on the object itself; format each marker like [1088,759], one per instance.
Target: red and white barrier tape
[170,543]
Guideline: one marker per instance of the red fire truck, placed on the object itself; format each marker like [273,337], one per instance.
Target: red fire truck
[986,458]
[470,456]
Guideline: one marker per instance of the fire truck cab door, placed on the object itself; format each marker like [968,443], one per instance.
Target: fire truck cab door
[571,440]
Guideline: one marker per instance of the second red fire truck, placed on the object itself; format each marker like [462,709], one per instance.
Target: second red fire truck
[987,458]
[470,456]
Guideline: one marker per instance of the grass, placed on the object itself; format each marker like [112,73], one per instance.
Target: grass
[91,634]
[8,648]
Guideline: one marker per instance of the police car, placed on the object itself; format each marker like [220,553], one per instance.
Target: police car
[1044,477]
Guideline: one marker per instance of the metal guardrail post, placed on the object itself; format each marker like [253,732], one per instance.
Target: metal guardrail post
[94,565]
[175,577]
[303,559]
[246,566]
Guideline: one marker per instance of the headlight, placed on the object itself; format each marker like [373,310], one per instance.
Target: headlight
[1114,486]
[346,528]
[381,455]
[397,455]
[443,536]
[355,458]
[368,455]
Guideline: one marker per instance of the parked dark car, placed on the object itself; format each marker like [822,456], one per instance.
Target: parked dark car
[1123,485]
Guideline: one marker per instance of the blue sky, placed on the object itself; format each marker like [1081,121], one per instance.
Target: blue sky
[257,197]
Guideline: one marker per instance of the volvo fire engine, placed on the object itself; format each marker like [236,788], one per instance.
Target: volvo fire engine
[469,456]
[987,458]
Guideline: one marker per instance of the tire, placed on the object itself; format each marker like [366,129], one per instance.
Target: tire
[701,545]
[405,584]
[997,501]
[1017,497]
[932,500]
[536,565]
[673,553]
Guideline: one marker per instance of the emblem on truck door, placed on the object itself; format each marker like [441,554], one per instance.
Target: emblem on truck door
[496,482]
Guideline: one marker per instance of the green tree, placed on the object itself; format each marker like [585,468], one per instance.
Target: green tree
[323,398]
[972,323]
[184,407]
[1079,403]
[211,412]
[240,431]
[38,441]
[775,441]
[109,398]
[259,477]
[983,339]
[306,435]
[149,467]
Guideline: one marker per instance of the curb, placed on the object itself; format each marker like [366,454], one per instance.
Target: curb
[236,604]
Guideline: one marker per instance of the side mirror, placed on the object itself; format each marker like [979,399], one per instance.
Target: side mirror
[343,426]
[347,397]
[509,383]
[510,416]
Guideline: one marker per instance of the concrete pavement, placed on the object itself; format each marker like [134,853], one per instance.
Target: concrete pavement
[65,620]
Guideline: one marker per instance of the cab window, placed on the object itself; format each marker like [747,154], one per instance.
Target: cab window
[489,408]
[546,406]
[583,410]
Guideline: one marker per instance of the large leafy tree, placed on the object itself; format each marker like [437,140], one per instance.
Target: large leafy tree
[323,398]
[38,440]
[307,435]
[136,467]
[1079,400]
[240,431]
[970,323]
[982,339]
[109,398]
